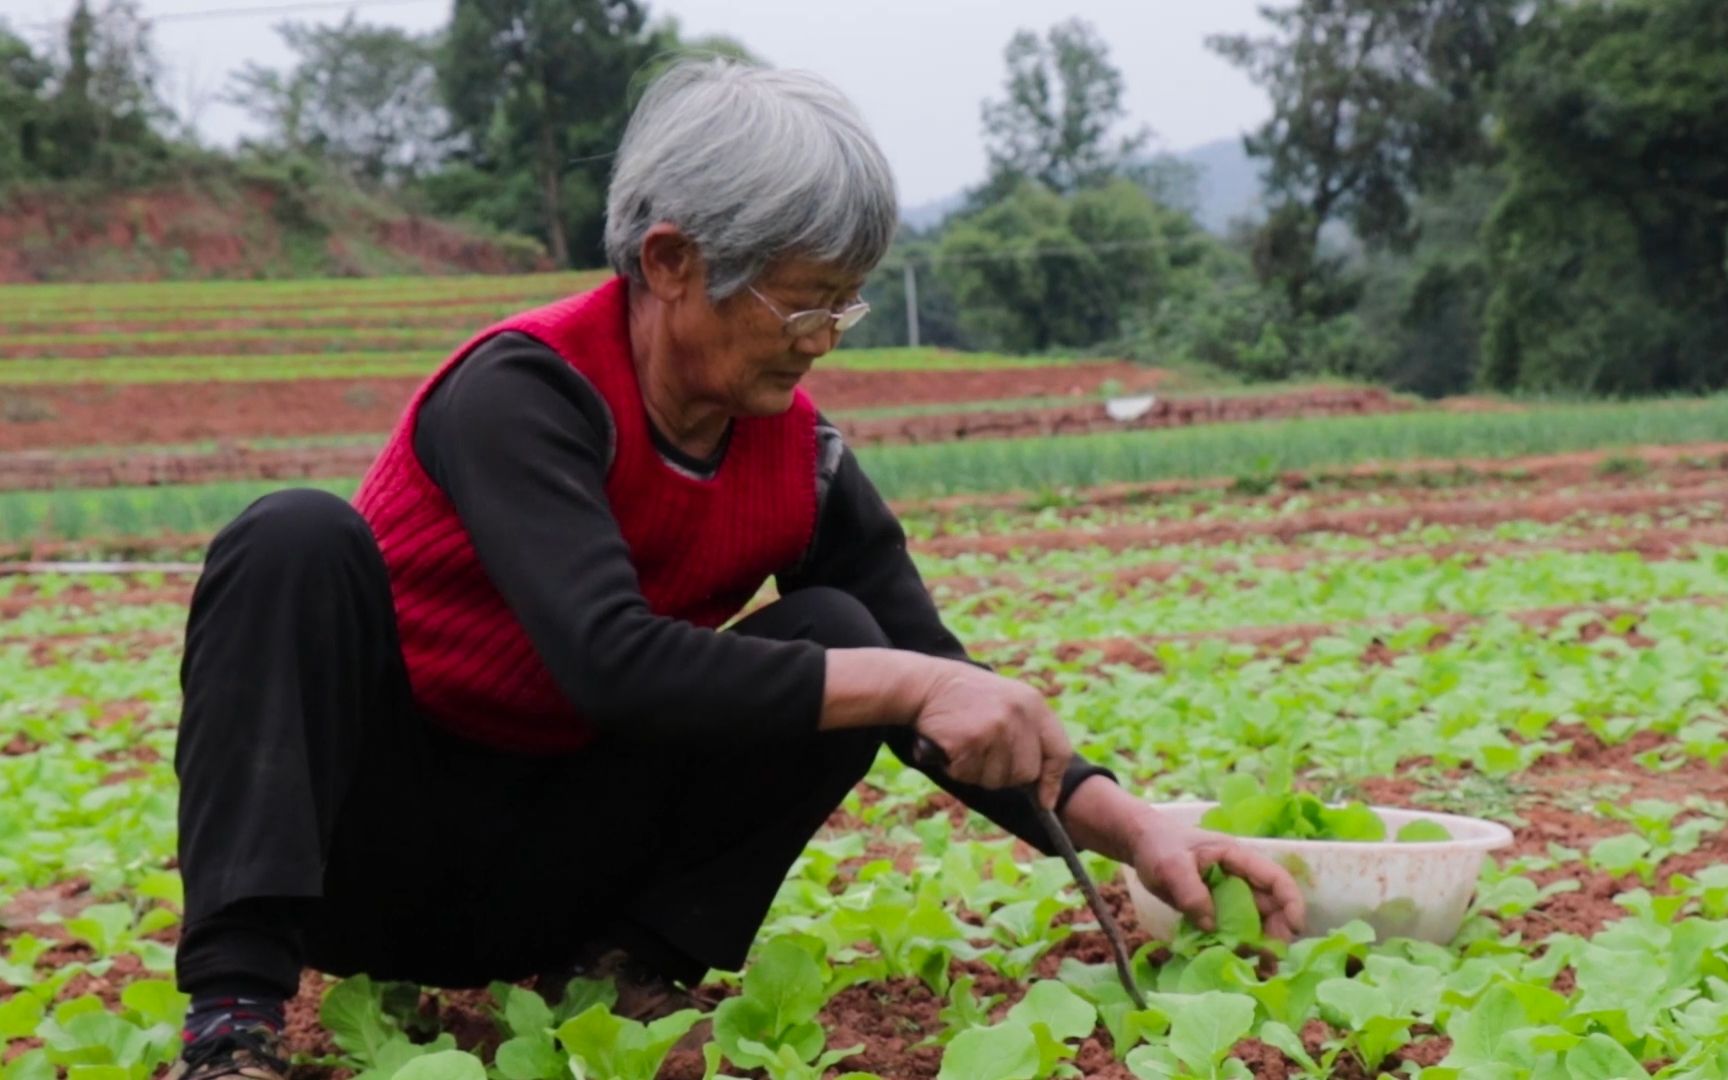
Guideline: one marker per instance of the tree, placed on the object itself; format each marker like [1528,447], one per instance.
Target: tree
[1064,100]
[105,116]
[1424,308]
[1374,101]
[1608,253]
[365,98]
[24,79]
[1038,270]
[540,90]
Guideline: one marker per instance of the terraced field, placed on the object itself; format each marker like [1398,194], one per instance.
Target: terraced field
[1512,611]
[1537,641]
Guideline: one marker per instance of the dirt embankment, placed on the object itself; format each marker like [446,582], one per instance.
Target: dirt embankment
[41,470]
[1363,521]
[1082,419]
[228,227]
[1646,464]
[64,417]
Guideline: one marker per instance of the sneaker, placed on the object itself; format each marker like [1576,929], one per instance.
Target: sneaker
[644,995]
[253,1051]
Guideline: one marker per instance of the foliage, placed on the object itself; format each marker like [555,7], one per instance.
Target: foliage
[94,113]
[1609,250]
[1373,101]
[902,894]
[24,79]
[521,79]
[363,98]
[1063,98]
[1038,271]
[1250,806]
[783,990]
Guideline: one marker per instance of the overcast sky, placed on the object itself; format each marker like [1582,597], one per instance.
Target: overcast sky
[918,69]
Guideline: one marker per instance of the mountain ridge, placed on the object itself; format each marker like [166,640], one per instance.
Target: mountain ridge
[1227,186]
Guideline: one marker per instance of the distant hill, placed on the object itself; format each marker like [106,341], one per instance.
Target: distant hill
[1227,186]
[927,215]
[237,226]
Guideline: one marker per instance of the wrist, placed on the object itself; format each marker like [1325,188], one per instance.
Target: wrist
[1104,818]
[875,687]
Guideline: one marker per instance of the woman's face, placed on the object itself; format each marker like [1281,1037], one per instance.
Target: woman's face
[748,360]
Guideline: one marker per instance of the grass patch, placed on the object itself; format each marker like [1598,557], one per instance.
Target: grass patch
[383,363]
[1045,468]
[136,512]
[1255,449]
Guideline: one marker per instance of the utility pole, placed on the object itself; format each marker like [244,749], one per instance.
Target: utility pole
[911,304]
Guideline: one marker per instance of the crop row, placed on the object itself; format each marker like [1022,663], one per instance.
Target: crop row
[955,916]
[36,301]
[1266,450]
[246,366]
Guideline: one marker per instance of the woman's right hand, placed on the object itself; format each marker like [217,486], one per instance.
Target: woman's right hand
[995,732]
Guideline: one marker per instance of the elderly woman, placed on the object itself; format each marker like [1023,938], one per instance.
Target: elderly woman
[484,723]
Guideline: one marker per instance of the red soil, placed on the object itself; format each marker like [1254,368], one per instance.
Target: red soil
[218,232]
[1364,521]
[1652,544]
[82,415]
[1556,470]
[43,469]
[1092,417]
[1291,640]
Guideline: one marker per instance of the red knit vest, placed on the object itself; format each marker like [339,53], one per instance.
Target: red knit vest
[701,548]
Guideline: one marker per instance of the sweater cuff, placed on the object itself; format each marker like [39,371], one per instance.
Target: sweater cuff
[1080,770]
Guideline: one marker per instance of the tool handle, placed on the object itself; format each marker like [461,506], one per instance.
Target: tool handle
[927,755]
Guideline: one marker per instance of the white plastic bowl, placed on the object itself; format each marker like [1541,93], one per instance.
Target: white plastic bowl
[1412,890]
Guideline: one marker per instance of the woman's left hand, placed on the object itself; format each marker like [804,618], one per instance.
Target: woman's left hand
[1172,860]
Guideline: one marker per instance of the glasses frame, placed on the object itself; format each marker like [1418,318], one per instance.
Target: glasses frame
[815,320]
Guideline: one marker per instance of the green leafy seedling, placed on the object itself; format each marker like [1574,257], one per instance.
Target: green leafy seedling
[1203,1029]
[607,1047]
[783,991]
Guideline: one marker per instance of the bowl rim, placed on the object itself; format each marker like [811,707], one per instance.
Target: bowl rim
[1496,835]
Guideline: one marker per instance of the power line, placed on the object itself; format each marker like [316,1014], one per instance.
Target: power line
[282,9]
[242,12]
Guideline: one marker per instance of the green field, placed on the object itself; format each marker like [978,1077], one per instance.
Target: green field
[1405,610]
[1593,947]
[1254,454]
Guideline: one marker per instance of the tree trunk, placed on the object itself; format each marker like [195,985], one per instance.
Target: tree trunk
[551,190]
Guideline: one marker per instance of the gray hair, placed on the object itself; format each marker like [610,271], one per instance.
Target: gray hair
[753,165]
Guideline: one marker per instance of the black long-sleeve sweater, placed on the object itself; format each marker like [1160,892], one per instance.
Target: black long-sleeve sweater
[520,442]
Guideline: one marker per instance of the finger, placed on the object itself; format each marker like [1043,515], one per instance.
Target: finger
[1278,926]
[1266,877]
[963,767]
[1028,759]
[1056,753]
[1050,779]
[998,766]
[1182,886]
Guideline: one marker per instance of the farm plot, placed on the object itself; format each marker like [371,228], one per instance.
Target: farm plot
[146,365]
[346,456]
[1517,662]
[121,403]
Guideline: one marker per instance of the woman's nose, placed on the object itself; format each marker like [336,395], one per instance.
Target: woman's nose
[819,343]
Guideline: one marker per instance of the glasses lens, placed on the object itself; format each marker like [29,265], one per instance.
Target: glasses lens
[805,323]
[849,318]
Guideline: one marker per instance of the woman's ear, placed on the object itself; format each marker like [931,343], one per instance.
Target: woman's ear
[670,262]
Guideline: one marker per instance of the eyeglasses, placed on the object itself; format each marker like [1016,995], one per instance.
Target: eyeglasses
[805,323]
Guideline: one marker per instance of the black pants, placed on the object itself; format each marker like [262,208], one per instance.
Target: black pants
[395,849]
